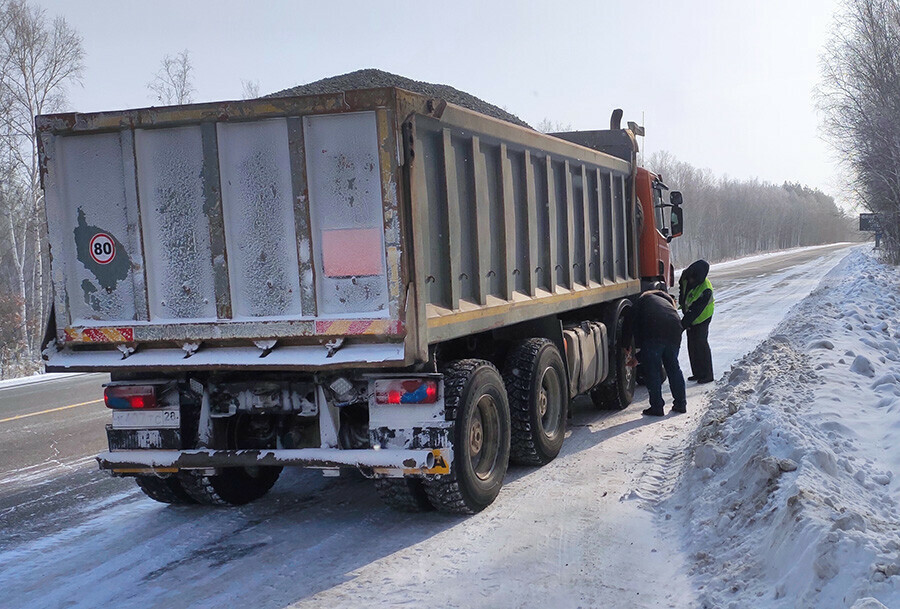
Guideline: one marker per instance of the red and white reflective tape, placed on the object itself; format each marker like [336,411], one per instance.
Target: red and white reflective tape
[352,327]
[100,335]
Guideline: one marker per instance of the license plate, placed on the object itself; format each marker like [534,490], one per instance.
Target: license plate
[146,419]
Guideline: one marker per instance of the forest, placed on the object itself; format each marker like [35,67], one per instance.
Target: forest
[729,218]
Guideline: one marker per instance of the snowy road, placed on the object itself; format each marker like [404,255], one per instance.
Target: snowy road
[573,533]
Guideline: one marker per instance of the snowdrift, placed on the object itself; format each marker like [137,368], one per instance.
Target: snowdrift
[790,495]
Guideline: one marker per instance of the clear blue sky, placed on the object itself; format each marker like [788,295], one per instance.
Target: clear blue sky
[722,85]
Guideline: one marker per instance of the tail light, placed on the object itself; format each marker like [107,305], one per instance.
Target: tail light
[406,391]
[130,396]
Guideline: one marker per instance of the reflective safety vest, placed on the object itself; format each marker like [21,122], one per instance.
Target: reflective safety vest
[694,294]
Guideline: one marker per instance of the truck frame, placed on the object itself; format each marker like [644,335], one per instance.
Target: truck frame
[373,279]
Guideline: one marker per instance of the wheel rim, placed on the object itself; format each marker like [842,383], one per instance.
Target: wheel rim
[548,401]
[629,371]
[484,437]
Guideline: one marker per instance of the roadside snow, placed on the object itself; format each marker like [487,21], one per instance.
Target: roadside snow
[37,378]
[726,264]
[789,496]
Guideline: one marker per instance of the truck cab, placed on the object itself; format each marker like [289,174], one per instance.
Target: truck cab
[665,223]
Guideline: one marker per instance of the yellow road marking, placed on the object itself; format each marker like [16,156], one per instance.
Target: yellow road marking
[34,414]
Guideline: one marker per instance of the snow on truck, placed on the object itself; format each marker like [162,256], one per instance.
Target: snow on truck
[375,279]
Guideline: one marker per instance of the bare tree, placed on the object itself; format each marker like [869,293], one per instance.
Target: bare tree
[173,83]
[249,89]
[860,98]
[549,126]
[39,58]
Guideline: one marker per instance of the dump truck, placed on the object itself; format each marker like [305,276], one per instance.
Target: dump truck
[371,279]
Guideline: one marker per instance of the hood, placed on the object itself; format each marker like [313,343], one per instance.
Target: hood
[695,274]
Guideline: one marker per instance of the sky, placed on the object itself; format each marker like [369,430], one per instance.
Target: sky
[722,85]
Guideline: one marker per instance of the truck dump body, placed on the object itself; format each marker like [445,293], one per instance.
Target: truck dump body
[327,231]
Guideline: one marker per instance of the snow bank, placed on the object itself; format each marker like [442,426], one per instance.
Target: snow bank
[790,495]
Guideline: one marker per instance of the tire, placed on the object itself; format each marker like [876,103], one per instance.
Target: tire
[403,494]
[538,401]
[618,391]
[475,400]
[231,486]
[165,490]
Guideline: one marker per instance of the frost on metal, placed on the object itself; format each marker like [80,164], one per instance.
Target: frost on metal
[346,209]
[176,227]
[257,201]
[90,180]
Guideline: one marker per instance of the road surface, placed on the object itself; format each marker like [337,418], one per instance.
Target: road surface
[576,532]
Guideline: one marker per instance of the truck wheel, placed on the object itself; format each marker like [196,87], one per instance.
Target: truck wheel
[403,494]
[231,486]
[164,490]
[618,391]
[538,401]
[475,400]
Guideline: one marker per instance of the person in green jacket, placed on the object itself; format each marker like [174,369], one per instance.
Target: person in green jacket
[695,298]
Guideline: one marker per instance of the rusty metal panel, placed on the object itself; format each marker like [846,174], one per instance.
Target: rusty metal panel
[585,225]
[389,168]
[482,222]
[302,225]
[94,239]
[176,224]
[521,228]
[509,243]
[345,193]
[621,269]
[208,207]
[553,264]
[533,267]
[212,195]
[258,208]
[451,193]
[132,211]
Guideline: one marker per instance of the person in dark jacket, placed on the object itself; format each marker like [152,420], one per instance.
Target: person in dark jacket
[657,335]
[695,297]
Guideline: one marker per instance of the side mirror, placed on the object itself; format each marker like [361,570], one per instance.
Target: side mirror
[675,198]
[676,216]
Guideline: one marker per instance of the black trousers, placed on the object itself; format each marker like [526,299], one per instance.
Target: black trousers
[698,351]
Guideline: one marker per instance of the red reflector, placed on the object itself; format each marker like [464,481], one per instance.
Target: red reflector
[130,396]
[406,391]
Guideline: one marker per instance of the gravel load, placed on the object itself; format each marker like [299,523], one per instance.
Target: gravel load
[372,78]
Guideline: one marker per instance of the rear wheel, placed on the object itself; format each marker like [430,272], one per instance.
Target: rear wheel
[475,400]
[538,401]
[230,485]
[618,391]
[403,494]
[236,485]
[165,490]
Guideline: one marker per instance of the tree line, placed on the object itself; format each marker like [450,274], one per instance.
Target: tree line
[860,98]
[728,218]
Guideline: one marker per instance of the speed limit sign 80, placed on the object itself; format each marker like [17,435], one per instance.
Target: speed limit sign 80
[103,248]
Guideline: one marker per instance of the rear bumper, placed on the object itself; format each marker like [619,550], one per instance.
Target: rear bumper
[288,357]
[385,461]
